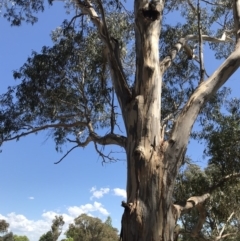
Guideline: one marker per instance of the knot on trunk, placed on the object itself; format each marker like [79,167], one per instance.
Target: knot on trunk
[151,11]
[139,153]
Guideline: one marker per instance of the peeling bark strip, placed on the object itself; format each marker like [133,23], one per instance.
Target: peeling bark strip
[152,162]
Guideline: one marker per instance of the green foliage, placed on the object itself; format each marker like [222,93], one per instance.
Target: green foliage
[64,86]
[68,85]
[3,226]
[56,230]
[7,236]
[47,236]
[20,238]
[89,228]
[56,227]
[221,177]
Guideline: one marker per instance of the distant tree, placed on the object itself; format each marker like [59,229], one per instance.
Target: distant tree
[56,230]
[47,236]
[92,229]
[56,227]
[4,229]
[220,217]
[3,226]
[20,238]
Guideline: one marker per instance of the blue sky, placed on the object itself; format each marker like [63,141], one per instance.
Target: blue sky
[32,189]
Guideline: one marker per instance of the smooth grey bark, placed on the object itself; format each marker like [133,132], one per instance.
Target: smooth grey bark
[152,162]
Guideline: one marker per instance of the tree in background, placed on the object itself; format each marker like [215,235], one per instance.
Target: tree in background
[221,178]
[3,226]
[7,236]
[56,230]
[48,236]
[20,238]
[92,229]
[155,69]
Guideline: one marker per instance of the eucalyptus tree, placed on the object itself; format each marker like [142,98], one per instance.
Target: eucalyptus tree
[70,89]
[220,178]
[89,228]
[56,230]
[7,236]
[3,226]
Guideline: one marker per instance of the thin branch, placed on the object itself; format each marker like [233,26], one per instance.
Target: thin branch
[66,154]
[120,84]
[191,6]
[202,70]
[80,143]
[77,16]
[225,236]
[223,228]
[214,4]
[223,181]
[36,129]
[182,43]
[103,156]
[113,120]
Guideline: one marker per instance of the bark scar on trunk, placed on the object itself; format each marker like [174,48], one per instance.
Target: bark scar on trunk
[151,11]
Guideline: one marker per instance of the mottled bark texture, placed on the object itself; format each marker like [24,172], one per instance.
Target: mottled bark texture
[153,162]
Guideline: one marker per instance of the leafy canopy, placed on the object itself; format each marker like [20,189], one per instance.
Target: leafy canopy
[89,228]
[66,88]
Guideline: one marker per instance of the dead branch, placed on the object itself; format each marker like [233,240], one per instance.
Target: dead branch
[66,154]
[105,158]
[182,43]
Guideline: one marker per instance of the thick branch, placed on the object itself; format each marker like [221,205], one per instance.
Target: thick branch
[109,139]
[112,50]
[195,201]
[182,43]
[201,220]
[183,125]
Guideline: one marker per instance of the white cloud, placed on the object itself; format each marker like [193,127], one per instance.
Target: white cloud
[98,193]
[120,192]
[20,225]
[31,198]
[34,229]
[75,211]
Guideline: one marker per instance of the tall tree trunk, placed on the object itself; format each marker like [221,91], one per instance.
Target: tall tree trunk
[152,163]
[148,212]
